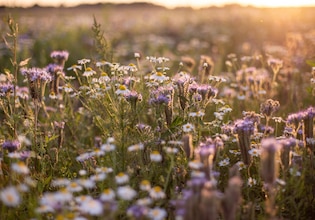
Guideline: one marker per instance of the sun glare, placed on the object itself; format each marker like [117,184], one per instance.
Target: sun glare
[278,3]
[170,3]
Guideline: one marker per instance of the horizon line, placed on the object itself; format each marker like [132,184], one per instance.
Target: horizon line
[61,5]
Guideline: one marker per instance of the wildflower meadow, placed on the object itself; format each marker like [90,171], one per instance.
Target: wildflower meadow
[155,113]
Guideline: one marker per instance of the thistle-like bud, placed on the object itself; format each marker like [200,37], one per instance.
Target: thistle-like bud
[209,202]
[286,151]
[188,145]
[269,162]
[232,198]
[244,129]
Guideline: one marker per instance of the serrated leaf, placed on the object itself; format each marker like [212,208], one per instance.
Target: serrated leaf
[24,62]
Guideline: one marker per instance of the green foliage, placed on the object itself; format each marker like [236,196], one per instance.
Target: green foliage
[167,129]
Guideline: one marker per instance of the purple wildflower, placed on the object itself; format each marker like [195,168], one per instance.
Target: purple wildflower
[269,107]
[244,129]
[133,96]
[34,74]
[6,88]
[205,153]
[244,126]
[137,211]
[11,146]
[60,57]
[206,91]
[159,100]
[269,164]
[54,69]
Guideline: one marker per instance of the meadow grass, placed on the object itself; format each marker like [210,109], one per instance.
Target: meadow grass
[95,128]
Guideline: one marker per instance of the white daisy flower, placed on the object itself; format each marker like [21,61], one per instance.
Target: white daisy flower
[89,72]
[171,150]
[121,178]
[188,127]
[75,67]
[156,193]
[108,147]
[126,193]
[235,152]
[92,207]
[107,195]
[102,63]
[67,88]
[254,152]
[224,162]
[97,152]
[10,196]
[83,157]
[82,198]
[122,90]
[136,147]
[144,201]
[74,187]
[82,172]
[44,209]
[104,78]
[86,183]
[145,185]
[155,156]
[98,177]
[159,76]
[60,182]
[251,182]
[104,170]
[63,195]
[20,167]
[157,213]
[241,165]
[84,61]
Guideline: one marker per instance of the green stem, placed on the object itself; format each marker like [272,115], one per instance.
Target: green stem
[169,173]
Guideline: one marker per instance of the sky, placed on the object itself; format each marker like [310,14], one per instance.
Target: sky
[167,3]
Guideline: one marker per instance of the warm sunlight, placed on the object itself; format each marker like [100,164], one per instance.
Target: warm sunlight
[169,3]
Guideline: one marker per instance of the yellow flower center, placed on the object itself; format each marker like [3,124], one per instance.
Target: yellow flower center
[155,152]
[120,174]
[73,184]
[104,74]
[157,189]
[145,182]
[10,198]
[122,87]
[106,191]
[159,74]
[88,69]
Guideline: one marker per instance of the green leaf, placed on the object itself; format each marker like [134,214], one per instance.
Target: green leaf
[311,62]
[176,122]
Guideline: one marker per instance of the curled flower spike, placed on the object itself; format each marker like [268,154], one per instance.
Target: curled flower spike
[60,57]
[269,107]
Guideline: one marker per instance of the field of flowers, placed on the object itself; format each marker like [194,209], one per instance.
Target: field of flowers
[141,112]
